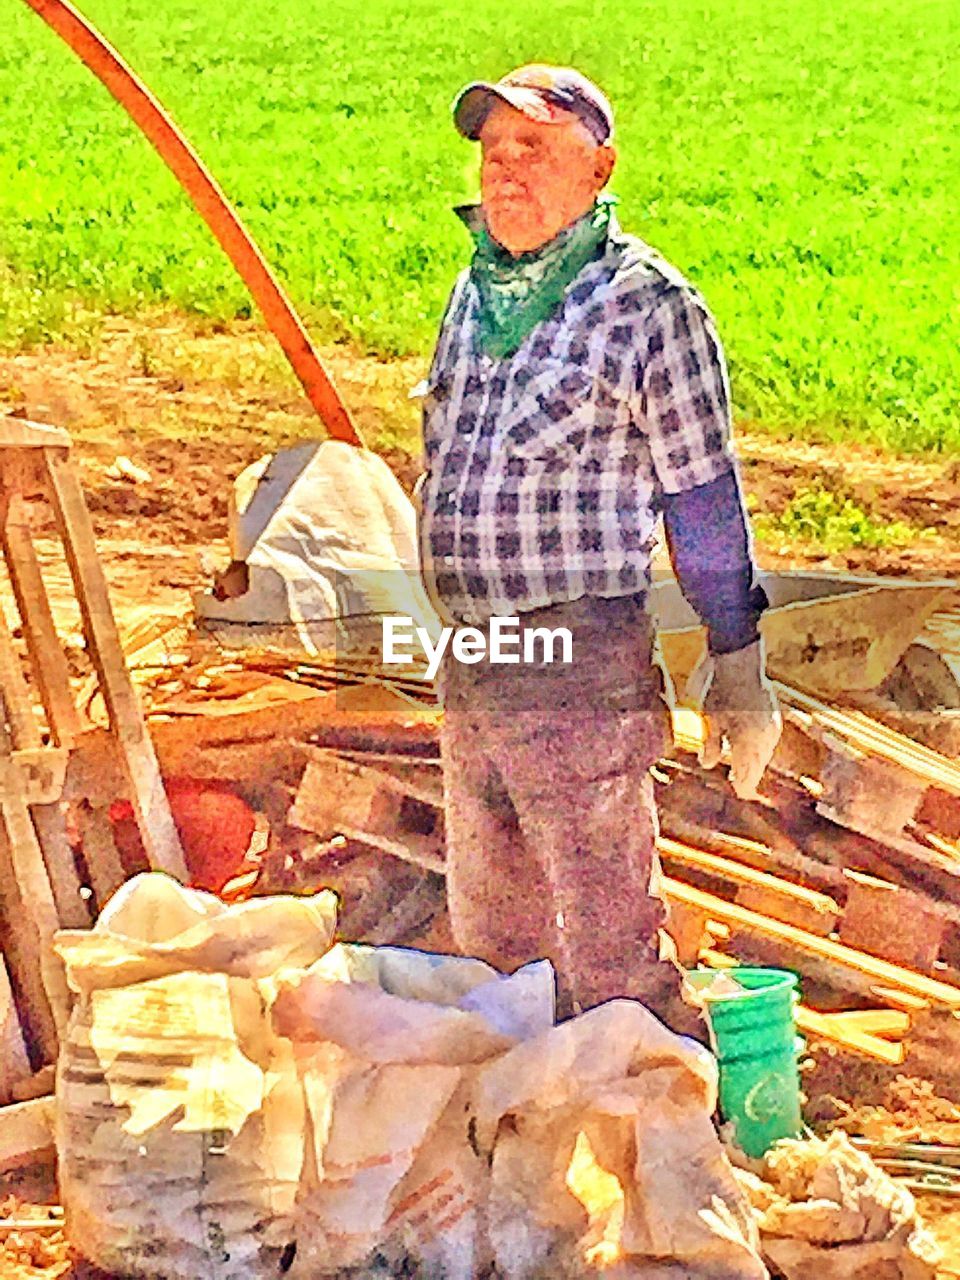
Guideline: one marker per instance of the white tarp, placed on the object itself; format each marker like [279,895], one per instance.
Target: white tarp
[326,533]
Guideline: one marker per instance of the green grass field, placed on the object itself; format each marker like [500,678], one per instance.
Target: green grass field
[801,162]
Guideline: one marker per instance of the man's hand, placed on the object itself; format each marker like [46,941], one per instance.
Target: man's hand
[739,706]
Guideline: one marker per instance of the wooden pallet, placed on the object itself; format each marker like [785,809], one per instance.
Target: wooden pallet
[357,794]
[40,890]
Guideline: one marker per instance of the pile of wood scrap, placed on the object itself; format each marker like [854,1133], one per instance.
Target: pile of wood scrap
[848,872]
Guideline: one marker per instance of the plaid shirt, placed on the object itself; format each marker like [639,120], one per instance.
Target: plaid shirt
[543,470]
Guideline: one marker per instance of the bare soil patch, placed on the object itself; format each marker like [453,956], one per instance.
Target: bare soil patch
[193,405]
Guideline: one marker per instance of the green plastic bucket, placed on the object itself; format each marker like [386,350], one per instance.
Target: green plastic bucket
[753,1033]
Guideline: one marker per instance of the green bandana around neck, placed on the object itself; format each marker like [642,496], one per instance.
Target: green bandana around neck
[517,293]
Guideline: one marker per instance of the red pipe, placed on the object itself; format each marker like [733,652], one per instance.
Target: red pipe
[210,202]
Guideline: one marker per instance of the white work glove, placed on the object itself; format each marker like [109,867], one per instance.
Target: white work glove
[740,710]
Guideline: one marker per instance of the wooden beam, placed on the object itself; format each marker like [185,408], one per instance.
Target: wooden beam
[34,917]
[890,1024]
[782,899]
[22,951]
[902,1000]
[100,853]
[864,969]
[421,779]
[18,433]
[43,644]
[838,1028]
[157,829]
[24,729]
[874,738]
[14,1063]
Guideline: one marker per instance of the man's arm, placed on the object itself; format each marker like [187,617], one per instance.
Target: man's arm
[709,543]
[686,412]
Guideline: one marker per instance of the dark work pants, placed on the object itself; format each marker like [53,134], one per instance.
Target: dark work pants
[550,813]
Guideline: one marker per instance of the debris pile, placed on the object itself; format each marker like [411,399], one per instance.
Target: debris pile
[320,769]
[238,1096]
[824,1209]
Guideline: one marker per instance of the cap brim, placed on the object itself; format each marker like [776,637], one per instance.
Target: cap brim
[473,104]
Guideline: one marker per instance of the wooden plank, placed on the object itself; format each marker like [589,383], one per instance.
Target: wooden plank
[333,792]
[419,850]
[73,910]
[18,433]
[14,1063]
[901,1000]
[29,873]
[33,774]
[44,646]
[421,779]
[834,642]
[867,969]
[26,1131]
[22,949]
[837,1028]
[100,853]
[24,729]
[40,912]
[157,829]
[798,904]
[752,853]
[888,1023]
[874,738]
[11,1226]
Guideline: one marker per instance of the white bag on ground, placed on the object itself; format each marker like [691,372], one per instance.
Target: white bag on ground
[330,543]
[179,1113]
[389,1044]
[612,1092]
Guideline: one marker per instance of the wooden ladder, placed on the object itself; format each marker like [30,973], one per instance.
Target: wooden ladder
[40,889]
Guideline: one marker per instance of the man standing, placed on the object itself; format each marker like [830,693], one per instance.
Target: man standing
[578,388]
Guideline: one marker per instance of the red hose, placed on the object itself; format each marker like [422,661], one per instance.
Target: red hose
[210,202]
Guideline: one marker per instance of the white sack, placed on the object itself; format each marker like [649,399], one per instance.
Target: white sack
[180,1117]
[389,1044]
[326,533]
[615,1088]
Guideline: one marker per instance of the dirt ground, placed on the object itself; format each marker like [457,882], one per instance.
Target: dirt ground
[192,406]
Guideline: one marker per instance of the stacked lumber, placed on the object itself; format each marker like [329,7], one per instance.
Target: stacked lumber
[340,758]
[42,886]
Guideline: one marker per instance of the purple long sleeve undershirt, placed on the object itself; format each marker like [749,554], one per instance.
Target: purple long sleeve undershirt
[708,539]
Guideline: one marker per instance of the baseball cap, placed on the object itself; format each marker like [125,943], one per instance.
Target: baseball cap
[545,94]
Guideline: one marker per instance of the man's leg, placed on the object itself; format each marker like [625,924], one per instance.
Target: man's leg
[500,901]
[585,802]
[575,747]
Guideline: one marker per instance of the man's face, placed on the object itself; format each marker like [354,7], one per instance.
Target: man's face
[536,179]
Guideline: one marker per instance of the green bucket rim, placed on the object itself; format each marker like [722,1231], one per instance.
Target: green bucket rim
[785,979]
